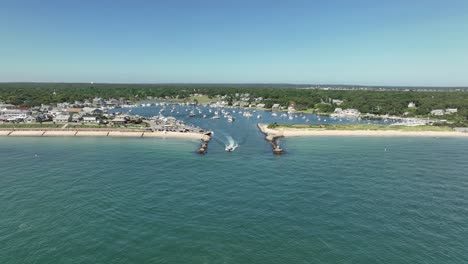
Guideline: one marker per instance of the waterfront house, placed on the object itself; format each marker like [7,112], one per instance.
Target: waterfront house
[112,102]
[451,110]
[63,106]
[411,105]
[243,104]
[45,108]
[7,106]
[119,120]
[260,105]
[98,101]
[30,119]
[61,118]
[90,119]
[438,112]
[276,107]
[337,102]
[346,113]
[292,107]
[76,118]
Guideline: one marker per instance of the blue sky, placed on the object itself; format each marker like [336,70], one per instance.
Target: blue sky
[367,42]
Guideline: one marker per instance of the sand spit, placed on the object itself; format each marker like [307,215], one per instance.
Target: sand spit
[125,134]
[298,132]
[97,133]
[4,132]
[59,133]
[26,133]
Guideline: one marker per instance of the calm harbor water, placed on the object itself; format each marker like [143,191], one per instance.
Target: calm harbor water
[329,200]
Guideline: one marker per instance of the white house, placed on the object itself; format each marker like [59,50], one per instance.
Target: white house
[337,102]
[89,119]
[76,118]
[260,105]
[411,105]
[276,107]
[438,112]
[451,110]
[61,118]
[98,101]
[351,112]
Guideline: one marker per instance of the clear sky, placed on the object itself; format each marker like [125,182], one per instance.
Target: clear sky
[369,42]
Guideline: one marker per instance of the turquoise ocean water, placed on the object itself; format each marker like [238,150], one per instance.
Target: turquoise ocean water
[328,200]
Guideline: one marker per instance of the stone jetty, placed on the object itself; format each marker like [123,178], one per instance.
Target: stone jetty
[204,143]
[272,138]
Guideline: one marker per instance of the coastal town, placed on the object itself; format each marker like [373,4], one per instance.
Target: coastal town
[96,112]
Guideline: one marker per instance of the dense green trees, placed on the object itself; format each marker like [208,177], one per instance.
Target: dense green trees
[377,102]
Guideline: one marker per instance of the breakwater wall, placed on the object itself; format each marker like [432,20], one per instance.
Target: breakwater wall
[272,138]
[204,143]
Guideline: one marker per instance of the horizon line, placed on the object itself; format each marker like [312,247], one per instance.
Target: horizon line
[233,83]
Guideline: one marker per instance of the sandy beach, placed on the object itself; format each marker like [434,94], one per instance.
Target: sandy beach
[95,133]
[298,132]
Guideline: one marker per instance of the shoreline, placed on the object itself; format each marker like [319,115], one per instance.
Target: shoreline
[301,132]
[41,132]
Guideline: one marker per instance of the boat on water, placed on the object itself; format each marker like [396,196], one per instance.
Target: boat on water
[216,115]
[230,118]
[230,148]
[191,114]
[247,114]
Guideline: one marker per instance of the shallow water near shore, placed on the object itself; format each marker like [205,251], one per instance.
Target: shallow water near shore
[328,200]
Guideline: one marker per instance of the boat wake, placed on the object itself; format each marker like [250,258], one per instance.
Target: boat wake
[231,144]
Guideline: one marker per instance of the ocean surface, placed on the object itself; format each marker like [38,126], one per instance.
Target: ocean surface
[328,200]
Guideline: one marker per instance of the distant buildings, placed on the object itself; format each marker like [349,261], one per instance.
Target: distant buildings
[6,106]
[337,102]
[438,112]
[90,119]
[61,118]
[441,112]
[98,102]
[346,113]
[451,110]
[276,107]
[260,105]
[412,105]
